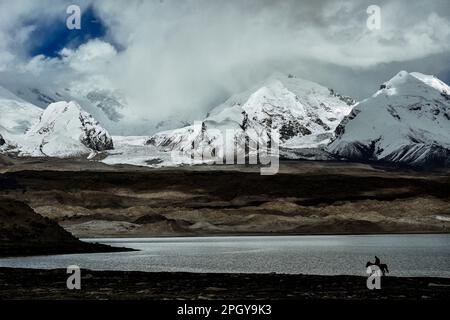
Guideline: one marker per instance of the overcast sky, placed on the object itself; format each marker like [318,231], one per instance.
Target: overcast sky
[174,56]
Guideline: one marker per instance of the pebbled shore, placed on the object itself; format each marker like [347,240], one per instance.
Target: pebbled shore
[51,284]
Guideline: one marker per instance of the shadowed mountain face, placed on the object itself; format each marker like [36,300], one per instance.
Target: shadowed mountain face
[20,223]
[24,232]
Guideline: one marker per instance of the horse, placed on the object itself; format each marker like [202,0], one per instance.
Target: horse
[383,267]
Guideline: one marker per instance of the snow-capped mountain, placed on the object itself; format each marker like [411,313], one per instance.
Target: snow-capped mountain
[16,116]
[64,130]
[110,107]
[100,102]
[104,104]
[298,110]
[407,121]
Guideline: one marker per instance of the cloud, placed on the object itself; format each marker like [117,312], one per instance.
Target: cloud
[201,48]
[181,58]
[92,56]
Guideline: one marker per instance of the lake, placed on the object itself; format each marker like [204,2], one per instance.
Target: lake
[406,255]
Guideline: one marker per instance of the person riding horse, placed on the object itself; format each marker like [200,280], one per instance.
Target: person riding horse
[377,261]
[383,267]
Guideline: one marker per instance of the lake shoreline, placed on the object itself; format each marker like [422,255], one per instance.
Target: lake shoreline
[23,232]
[32,284]
[318,254]
[225,235]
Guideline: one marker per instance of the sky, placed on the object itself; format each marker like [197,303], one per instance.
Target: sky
[180,58]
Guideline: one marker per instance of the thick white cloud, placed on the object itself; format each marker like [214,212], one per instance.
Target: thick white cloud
[179,55]
[182,57]
[92,56]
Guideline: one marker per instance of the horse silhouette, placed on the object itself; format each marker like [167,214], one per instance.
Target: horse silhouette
[383,267]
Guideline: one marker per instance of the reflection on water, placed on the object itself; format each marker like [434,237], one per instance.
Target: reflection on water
[406,255]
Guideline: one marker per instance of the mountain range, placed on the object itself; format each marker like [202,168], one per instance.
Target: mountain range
[406,122]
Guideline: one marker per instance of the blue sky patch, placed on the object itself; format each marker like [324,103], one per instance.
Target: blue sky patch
[50,37]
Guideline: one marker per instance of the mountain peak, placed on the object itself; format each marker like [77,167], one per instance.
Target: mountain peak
[57,108]
[404,78]
[413,84]
[400,78]
[407,121]
[64,130]
[293,107]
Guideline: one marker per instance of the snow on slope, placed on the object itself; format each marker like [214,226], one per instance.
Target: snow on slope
[293,107]
[16,116]
[105,104]
[111,107]
[407,121]
[64,130]
[133,150]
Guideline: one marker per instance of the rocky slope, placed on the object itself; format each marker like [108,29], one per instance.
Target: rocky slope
[406,122]
[24,232]
[304,197]
[4,161]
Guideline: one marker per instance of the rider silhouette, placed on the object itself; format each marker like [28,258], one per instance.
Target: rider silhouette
[377,261]
[383,267]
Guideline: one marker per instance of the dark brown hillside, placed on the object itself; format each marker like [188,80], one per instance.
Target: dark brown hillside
[24,232]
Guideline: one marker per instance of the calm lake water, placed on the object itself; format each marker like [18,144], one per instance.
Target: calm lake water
[406,255]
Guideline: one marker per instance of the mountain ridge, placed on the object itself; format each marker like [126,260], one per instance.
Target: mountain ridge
[293,107]
[407,122]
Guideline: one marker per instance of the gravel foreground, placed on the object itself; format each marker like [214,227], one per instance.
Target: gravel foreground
[37,284]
